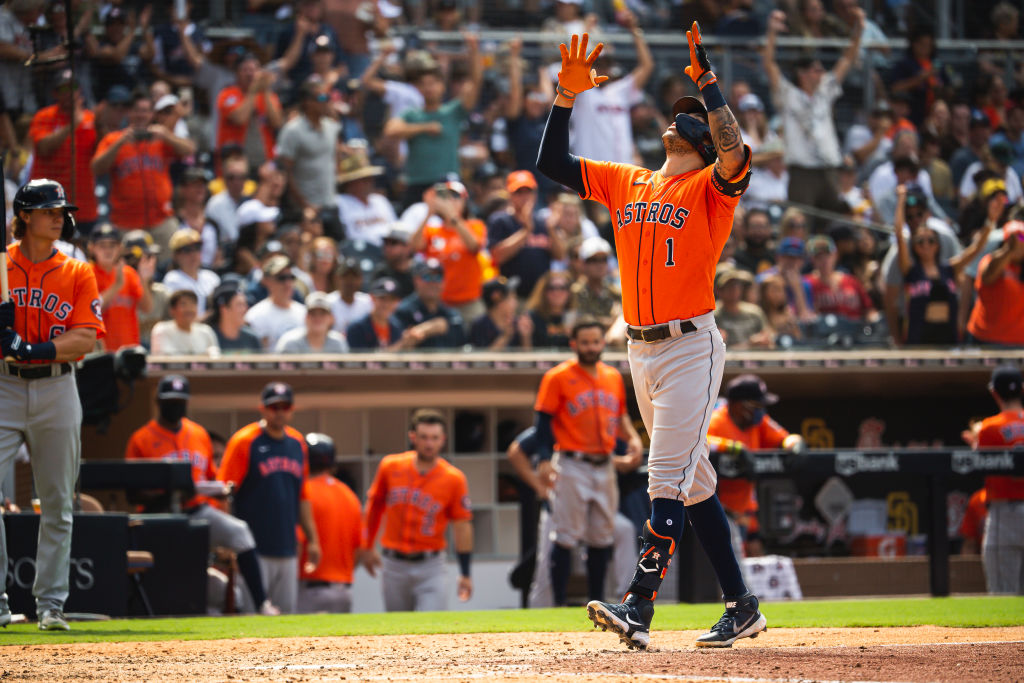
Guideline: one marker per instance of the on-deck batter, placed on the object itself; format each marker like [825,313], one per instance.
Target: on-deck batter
[670,227]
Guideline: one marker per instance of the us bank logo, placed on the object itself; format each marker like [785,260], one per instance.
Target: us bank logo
[856,463]
[965,462]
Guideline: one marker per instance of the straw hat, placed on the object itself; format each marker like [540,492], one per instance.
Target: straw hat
[356,167]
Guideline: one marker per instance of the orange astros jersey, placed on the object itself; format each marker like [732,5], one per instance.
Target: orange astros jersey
[669,233]
[1004,429]
[189,444]
[585,410]
[416,507]
[339,524]
[52,296]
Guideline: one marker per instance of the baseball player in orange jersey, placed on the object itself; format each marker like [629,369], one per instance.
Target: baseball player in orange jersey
[1002,547]
[579,410]
[338,516]
[173,437]
[670,227]
[51,320]
[416,494]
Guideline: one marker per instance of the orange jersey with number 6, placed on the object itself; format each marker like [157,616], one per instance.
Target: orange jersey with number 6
[585,409]
[669,233]
[52,296]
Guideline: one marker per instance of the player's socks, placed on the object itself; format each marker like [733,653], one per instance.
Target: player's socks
[597,570]
[709,521]
[249,568]
[668,517]
[561,566]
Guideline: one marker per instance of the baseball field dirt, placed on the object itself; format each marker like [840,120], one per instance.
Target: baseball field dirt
[924,653]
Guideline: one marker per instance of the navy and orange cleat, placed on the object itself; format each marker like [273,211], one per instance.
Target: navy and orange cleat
[630,619]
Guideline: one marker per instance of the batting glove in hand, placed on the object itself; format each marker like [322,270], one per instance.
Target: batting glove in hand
[6,314]
[13,346]
[578,72]
[700,68]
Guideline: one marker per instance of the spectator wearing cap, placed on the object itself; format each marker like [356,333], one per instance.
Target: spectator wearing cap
[222,207]
[422,315]
[267,464]
[118,53]
[502,326]
[397,259]
[111,111]
[191,213]
[743,324]
[976,149]
[998,314]
[364,214]
[316,336]
[757,254]
[833,291]
[257,219]
[446,234]
[290,237]
[307,151]
[1003,543]
[770,185]
[594,294]
[279,312]
[522,246]
[124,292]
[186,254]
[601,127]
[140,252]
[249,112]
[851,192]
[182,335]
[1013,131]
[137,160]
[1000,160]
[790,259]
[298,42]
[379,330]
[172,437]
[433,132]
[349,302]
[812,150]
[930,286]
[743,419]
[169,111]
[228,307]
[51,132]
[755,129]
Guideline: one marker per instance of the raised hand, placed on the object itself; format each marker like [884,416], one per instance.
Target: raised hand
[699,64]
[578,73]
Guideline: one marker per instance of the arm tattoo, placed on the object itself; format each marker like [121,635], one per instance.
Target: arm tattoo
[724,130]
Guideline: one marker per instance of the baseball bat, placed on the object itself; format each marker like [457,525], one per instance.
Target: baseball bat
[4,293]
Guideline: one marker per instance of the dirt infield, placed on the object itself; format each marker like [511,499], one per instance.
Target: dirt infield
[895,654]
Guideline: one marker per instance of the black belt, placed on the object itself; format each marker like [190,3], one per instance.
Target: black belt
[592,458]
[36,371]
[325,584]
[409,557]
[655,333]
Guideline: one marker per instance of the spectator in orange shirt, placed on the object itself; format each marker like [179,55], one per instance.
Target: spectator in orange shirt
[972,528]
[249,112]
[173,437]
[124,292]
[998,314]
[138,159]
[51,138]
[337,514]
[446,234]
[743,419]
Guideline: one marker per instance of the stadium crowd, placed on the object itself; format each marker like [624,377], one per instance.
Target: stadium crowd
[321,178]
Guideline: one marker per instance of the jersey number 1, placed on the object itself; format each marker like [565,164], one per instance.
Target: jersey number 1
[669,246]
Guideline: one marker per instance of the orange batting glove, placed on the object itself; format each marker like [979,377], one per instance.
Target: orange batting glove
[700,68]
[578,72]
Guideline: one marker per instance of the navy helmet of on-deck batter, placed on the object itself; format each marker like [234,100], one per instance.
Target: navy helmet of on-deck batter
[1007,382]
[694,131]
[321,450]
[750,388]
[43,193]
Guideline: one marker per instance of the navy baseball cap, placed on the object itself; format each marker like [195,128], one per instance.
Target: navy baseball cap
[790,246]
[173,387]
[384,286]
[105,231]
[1007,381]
[428,266]
[277,392]
[750,388]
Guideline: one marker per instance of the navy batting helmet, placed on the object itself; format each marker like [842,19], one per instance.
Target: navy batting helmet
[44,193]
[321,451]
[696,132]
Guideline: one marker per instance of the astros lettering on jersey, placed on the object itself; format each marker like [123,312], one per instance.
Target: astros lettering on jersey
[52,296]
[673,269]
[585,409]
[415,508]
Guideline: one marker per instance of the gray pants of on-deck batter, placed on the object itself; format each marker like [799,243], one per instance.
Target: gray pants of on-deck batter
[47,416]
[226,531]
[281,576]
[414,586]
[1002,551]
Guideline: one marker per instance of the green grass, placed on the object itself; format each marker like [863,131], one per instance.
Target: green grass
[966,612]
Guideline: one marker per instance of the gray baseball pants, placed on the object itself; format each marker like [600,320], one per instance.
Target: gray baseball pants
[414,586]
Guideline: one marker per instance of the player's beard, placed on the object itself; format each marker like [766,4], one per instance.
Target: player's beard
[675,144]
[588,357]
